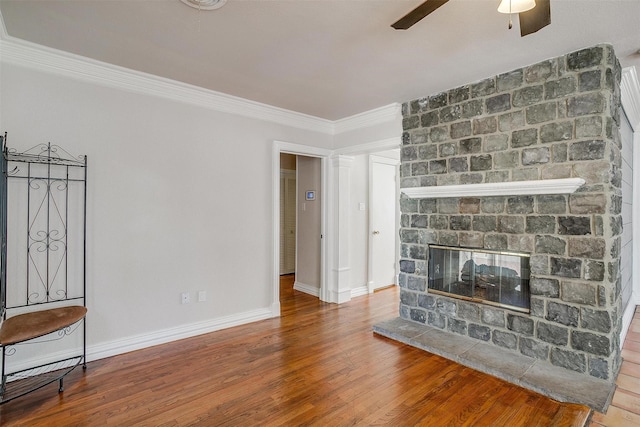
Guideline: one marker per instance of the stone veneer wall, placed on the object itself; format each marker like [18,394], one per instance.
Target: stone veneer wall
[555,119]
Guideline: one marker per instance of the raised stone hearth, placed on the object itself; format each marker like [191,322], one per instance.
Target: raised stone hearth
[556,119]
[558,383]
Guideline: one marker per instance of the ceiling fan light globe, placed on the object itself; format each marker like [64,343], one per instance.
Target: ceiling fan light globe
[205,4]
[516,6]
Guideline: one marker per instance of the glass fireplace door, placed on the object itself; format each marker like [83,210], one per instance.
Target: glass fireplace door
[492,277]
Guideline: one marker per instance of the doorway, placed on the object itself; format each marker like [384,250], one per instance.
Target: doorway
[300,215]
[308,246]
[384,219]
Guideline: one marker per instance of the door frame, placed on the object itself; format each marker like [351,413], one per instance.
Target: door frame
[298,150]
[387,161]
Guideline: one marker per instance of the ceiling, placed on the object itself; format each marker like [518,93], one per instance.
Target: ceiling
[327,58]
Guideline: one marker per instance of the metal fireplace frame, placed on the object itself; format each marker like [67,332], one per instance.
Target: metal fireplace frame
[472,284]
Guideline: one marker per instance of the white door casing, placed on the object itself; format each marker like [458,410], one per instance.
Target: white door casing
[303,150]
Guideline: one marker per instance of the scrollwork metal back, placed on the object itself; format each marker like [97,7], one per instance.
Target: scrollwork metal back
[46,153]
[47,235]
[48,216]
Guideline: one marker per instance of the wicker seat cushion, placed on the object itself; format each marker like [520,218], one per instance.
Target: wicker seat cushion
[26,326]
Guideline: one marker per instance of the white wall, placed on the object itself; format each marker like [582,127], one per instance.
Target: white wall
[168,211]
[371,127]
[626,252]
[630,97]
[359,230]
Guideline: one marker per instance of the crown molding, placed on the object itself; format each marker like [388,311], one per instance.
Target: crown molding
[368,118]
[370,147]
[26,54]
[42,58]
[630,96]
[341,161]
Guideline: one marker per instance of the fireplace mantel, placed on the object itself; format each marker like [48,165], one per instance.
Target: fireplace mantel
[517,188]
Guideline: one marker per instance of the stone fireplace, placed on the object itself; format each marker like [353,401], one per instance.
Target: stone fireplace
[554,120]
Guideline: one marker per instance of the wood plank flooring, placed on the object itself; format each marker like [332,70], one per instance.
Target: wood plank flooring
[625,406]
[317,365]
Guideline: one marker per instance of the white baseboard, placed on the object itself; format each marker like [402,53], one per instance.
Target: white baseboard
[307,289]
[341,296]
[137,342]
[359,291]
[627,317]
[40,360]
[275,309]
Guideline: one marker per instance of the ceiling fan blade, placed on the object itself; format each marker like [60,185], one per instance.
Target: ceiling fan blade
[536,18]
[417,14]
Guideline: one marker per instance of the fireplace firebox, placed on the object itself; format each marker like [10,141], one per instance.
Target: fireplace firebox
[490,277]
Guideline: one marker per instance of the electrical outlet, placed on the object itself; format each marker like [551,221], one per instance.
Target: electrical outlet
[186,299]
[202,296]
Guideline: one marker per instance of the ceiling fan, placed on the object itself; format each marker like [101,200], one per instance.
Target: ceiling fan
[531,20]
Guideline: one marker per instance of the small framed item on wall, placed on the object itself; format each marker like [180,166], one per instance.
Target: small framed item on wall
[310,195]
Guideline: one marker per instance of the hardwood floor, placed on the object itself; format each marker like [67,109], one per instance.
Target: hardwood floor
[318,364]
[625,406]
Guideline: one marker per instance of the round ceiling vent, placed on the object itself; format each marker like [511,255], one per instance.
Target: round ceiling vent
[204,4]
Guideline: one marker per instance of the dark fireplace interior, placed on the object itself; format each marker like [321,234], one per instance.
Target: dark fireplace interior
[490,277]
